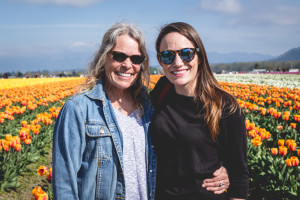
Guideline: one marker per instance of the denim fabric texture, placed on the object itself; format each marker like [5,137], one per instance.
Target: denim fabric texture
[87,149]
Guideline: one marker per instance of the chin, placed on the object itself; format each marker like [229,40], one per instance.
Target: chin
[179,82]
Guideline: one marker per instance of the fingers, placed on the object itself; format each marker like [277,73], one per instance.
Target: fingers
[218,171]
[216,187]
[216,184]
[219,183]
[217,179]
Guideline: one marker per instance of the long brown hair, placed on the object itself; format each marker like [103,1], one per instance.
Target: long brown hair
[207,91]
[96,67]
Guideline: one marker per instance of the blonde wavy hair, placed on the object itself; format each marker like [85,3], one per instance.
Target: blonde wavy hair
[96,69]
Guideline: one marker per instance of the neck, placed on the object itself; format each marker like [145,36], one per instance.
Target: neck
[119,94]
[122,100]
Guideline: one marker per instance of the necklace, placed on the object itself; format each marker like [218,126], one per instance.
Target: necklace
[121,104]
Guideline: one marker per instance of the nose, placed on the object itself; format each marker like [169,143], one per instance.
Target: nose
[127,63]
[177,61]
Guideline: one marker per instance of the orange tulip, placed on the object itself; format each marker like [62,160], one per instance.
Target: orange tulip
[23,133]
[42,170]
[297,118]
[12,143]
[288,142]
[279,127]
[293,125]
[263,111]
[6,147]
[256,141]
[49,174]
[18,147]
[281,142]
[298,152]
[282,150]
[292,146]
[252,133]
[289,162]
[27,141]
[35,131]
[8,136]
[39,194]
[2,142]
[24,123]
[285,117]
[274,151]
[295,161]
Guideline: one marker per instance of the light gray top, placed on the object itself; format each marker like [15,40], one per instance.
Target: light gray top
[134,158]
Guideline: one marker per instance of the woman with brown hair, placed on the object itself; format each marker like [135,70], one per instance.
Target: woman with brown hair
[197,127]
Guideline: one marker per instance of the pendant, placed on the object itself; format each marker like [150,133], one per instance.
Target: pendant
[120,109]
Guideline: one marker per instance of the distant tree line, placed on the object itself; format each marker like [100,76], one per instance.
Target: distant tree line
[44,73]
[271,66]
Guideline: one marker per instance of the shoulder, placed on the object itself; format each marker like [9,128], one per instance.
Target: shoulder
[232,113]
[159,89]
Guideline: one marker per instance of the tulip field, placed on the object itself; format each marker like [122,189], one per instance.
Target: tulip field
[271,104]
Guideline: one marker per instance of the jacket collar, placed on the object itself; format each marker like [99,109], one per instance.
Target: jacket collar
[97,92]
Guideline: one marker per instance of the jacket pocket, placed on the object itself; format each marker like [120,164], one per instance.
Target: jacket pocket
[101,149]
[99,141]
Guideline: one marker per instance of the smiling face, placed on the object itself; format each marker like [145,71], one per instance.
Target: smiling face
[122,75]
[182,74]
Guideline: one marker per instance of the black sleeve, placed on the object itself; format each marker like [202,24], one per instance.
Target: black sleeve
[235,154]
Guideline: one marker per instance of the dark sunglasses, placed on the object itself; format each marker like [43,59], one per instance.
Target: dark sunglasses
[121,57]
[186,55]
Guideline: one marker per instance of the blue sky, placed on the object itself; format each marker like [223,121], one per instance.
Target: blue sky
[35,33]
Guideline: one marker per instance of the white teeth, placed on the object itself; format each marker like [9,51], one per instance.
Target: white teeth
[179,72]
[123,74]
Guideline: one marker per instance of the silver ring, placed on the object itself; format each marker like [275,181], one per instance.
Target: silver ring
[220,184]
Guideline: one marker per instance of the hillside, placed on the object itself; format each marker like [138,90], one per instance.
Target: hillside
[291,55]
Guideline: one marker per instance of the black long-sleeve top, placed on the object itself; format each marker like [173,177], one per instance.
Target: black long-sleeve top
[186,154]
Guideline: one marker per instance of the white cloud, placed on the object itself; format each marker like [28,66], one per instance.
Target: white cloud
[275,15]
[223,6]
[283,15]
[65,2]
[83,46]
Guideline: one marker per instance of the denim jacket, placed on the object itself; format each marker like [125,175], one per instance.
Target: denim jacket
[87,149]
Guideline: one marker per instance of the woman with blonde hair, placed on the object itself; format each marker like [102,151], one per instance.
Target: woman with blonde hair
[101,136]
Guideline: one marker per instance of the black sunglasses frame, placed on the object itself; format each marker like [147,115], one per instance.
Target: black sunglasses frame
[135,59]
[173,53]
